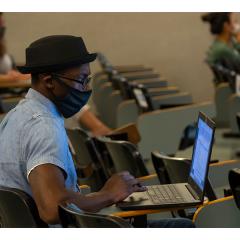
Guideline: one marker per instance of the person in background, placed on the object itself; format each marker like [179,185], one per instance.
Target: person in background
[226,45]
[8,71]
[86,118]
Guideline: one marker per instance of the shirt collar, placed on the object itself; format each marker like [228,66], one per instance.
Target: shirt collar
[51,107]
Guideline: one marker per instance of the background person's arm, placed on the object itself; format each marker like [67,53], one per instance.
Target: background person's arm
[93,124]
[10,76]
[48,186]
[14,75]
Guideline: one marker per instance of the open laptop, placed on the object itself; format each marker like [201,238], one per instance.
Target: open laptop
[180,194]
[142,98]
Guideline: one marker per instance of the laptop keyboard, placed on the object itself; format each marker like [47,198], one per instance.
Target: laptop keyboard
[164,193]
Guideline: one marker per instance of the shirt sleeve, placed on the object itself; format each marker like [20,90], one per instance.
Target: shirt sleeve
[44,143]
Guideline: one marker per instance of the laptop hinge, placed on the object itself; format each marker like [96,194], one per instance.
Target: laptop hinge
[191,190]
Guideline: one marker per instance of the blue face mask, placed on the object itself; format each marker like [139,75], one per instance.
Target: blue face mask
[73,102]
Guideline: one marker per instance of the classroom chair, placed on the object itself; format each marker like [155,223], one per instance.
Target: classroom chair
[220,213]
[72,216]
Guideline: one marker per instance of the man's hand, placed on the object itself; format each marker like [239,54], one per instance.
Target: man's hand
[121,185]
[47,182]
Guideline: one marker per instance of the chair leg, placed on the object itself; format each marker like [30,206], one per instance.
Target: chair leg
[139,221]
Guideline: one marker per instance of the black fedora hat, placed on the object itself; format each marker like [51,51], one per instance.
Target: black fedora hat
[54,53]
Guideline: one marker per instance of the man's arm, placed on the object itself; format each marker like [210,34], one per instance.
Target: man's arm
[48,186]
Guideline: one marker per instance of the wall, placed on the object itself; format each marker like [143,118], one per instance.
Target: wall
[173,43]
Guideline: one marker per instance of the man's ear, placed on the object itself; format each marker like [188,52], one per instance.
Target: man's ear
[48,80]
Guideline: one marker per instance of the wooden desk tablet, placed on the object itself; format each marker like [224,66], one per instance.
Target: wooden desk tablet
[116,211]
[15,84]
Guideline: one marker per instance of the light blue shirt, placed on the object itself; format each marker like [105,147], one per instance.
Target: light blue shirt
[33,134]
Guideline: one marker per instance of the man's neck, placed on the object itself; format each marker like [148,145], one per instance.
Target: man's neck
[43,92]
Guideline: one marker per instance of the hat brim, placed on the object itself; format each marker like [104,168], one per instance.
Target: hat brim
[58,66]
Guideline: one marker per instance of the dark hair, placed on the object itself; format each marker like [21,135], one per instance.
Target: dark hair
[216,21]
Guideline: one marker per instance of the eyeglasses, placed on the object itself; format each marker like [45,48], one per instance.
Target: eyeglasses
[83,82]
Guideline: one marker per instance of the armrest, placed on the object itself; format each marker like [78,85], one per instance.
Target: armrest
[220,163]
[231,135]
[161,91]
[151,176]
[138,77]
[132,132]
[132,68]
[149,180]
[85,189]
[84,171]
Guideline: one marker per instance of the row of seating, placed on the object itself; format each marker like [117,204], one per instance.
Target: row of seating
[125,156]
[168,103]
[226,97]
[220,212]
[96,159]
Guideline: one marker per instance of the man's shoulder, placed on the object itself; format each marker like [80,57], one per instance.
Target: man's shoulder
[28,115]
[35,111]
[43,121]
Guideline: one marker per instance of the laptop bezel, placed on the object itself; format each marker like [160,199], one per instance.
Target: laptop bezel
[138,100]
[191,181]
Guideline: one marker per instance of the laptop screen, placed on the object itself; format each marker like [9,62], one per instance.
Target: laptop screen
[201,153]
[140,98]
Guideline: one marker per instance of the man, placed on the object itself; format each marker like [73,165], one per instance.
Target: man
[34,154]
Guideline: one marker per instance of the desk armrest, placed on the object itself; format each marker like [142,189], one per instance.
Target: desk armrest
[149,179]
[132,132]
[85,189]
[220,163]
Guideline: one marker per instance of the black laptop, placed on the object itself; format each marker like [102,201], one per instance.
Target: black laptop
[142,98]
[180,194]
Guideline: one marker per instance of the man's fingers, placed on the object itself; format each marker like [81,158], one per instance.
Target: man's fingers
[128,177]
[139,188]
[132,182]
